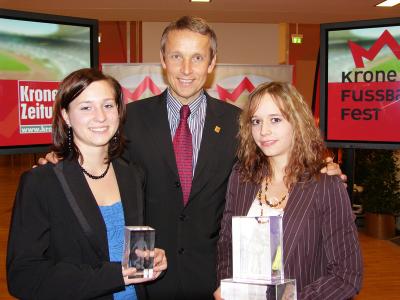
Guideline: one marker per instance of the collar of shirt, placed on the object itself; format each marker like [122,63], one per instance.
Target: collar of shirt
[196,120]
[174,106]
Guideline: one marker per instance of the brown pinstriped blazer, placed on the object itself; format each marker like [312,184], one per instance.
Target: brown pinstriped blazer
[320,242]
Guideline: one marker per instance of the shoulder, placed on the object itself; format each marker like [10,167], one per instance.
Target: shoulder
[38,174]
[235,170]
[235,178]
[223,106]
[323,185]
[331,190]
[144,103]
[329,181]
[319,180]
[38,183]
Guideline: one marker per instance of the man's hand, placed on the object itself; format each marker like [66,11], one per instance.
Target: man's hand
[333,168]
[50,157]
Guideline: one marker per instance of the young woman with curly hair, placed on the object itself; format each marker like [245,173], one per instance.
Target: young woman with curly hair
[280,156]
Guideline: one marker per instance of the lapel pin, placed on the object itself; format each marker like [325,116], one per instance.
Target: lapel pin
[217,129]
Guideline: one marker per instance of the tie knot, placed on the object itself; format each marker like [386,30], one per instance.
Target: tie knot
[185,112]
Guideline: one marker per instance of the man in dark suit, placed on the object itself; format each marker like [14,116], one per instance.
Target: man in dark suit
[186,218]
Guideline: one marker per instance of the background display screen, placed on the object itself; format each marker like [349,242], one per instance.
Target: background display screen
[36,52]
[360,83]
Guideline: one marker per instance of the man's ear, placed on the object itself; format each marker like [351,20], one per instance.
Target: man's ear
[212,64]
[162,59]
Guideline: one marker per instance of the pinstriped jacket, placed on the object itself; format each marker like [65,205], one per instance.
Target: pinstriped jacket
[320,243]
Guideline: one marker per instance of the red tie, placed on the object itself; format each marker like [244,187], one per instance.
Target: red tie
[183,152]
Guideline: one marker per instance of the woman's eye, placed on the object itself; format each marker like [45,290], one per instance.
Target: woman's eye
[85,107]
[109,105]
[276,120]
[255,122]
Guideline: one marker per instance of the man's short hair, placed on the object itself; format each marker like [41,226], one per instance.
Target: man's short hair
[194,24]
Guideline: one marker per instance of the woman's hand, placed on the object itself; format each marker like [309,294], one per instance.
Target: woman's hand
[160,264]
[128,274]
[217,294]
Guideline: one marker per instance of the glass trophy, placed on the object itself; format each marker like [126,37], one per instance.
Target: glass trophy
[257,248]
[139,250]
[257,254]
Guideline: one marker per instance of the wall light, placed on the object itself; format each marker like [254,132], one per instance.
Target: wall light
[297,38]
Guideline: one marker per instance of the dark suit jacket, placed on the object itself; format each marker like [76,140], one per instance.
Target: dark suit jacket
[320,243]
[49,256]
[188,234]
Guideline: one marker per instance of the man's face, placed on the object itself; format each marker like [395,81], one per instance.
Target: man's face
[187,63]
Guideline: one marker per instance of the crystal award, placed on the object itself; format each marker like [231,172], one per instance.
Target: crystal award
[257,254]
[139,250]
[257,248]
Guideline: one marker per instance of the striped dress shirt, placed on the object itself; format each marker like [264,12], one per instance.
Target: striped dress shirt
[196,120]
[320,242]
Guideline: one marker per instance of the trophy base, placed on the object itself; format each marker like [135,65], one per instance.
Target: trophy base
[284,289]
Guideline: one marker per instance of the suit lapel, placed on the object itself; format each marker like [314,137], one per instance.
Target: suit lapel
[247,192]
[86,202]
[296,215]
[209,141]
[250,193]
[128,192]
[156,120]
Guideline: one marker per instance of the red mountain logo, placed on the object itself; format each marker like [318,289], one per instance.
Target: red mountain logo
[147,83]
[224,94]
[359,52]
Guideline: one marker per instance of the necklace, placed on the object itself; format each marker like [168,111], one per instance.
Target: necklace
[272,204]
[94,176]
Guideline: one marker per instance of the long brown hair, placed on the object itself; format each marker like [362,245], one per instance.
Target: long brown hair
[308,150]
[70,88]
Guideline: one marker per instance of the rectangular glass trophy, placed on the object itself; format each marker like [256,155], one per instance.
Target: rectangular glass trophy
[257,248]
[139,250]
[257,261]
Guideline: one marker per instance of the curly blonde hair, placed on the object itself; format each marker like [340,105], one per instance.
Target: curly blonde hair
[308,150]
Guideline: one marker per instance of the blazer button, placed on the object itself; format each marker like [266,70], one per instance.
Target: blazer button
[182,217]
[177,184]
[181,251]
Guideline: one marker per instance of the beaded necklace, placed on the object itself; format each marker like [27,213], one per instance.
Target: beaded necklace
[272,204]
[94,176]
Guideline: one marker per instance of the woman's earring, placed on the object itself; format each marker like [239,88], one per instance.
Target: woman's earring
[69,136]
[115,137]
